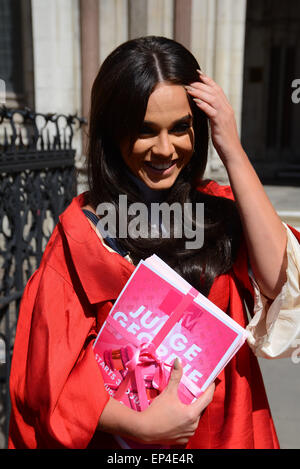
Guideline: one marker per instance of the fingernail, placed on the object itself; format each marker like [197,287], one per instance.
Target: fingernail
[199,71]
[176,363]
[190,88]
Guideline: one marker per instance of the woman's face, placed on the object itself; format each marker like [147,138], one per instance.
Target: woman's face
[166,141]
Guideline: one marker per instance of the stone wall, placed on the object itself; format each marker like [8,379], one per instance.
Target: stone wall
[214,32]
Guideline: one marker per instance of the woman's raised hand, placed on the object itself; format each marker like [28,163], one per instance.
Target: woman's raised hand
[210,98]
[166,421]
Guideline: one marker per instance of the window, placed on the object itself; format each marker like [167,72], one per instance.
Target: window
[16,63]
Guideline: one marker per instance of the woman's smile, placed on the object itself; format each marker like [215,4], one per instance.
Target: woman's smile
[163,168]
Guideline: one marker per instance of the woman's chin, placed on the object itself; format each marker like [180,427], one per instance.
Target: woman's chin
[161,184]
[158,181]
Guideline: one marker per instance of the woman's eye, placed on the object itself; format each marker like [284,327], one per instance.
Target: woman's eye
[180,129]
[145,132]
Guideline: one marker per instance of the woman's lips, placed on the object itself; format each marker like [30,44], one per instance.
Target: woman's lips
[161,168]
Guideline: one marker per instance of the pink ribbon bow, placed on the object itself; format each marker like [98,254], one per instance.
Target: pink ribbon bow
[144,356]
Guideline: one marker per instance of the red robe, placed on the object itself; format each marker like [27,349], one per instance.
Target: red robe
[57,392]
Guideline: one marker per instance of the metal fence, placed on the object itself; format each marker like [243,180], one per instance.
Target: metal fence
[37,182]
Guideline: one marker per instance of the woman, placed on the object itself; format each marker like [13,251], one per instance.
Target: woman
[148,140]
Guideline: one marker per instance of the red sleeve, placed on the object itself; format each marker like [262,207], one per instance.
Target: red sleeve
[208,186]
[57,391]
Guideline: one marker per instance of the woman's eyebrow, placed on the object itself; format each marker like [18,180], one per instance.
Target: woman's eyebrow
[182,120]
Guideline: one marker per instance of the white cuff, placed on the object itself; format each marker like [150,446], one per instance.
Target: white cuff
[274,330]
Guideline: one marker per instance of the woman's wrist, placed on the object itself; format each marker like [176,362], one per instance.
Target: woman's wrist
[234,158]
[118,419]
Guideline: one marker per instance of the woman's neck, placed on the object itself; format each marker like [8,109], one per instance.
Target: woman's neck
[149,195]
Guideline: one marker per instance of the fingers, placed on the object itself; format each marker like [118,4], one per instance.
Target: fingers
[206,83]
[202,402]
[207,95]
[211,96]
[201,92]
[205,100]
[198,86]
[175,377]
[209,110]
[205,79]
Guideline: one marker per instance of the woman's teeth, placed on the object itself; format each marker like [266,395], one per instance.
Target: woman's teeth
[161,166]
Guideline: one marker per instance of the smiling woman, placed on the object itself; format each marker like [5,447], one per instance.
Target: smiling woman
[148,141]
[157,153]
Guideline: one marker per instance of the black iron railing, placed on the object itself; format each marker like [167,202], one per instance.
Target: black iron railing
[37,182]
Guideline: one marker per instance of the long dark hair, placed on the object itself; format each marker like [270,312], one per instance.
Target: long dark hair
[119,100]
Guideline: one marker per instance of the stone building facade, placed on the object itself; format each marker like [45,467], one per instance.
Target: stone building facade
[250,47]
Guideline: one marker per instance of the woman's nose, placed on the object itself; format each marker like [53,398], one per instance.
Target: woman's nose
[163,146]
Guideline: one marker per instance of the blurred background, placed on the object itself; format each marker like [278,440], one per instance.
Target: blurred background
[50,51]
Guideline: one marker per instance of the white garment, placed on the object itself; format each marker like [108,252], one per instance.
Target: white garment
[274,330]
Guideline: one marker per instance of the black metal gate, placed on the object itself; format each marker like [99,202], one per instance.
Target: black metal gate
[37,182]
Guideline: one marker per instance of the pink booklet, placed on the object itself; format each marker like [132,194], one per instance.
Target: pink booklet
[157,317]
